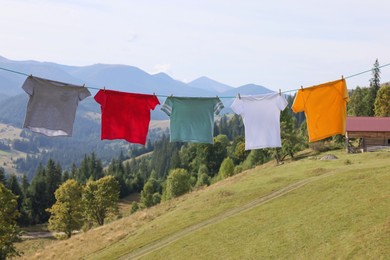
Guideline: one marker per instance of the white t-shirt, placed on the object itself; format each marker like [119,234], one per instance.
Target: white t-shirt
[261,116]
[52,105]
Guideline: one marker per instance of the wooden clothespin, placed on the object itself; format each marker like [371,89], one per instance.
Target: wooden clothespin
[342,76]
[239,97]
[301,87]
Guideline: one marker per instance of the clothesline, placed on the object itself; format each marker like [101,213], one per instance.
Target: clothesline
[350,76]
[282,92]
[52,106]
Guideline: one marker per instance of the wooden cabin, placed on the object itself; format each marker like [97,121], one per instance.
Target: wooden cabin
[367,133]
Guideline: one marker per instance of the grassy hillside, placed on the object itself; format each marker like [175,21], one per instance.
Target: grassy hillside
[9,133]
[306,209]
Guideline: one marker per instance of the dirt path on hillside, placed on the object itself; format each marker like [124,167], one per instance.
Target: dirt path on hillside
[36,235]
[230,213]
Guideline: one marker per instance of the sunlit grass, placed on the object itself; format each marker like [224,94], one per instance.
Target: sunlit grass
[350,204]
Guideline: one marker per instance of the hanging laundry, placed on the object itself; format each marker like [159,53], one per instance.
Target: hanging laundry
[192,119]
[125,115]
[52,106]
[325,107]
[261,116]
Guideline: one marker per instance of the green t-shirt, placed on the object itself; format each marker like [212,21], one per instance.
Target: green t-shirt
[192,119]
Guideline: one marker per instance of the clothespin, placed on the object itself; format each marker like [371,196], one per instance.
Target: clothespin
[104,88]
[171,95]
[84,85]
[239,97]
[154,94]
[301,87]
[280,92]
[342,76]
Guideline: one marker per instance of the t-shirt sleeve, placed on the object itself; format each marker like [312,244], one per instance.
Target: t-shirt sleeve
[153,102]
[281,102]
[298,104]
[167,107]
[99,97]
[345,91]
[237,106]
[218,106]
[84,93]
[28,86]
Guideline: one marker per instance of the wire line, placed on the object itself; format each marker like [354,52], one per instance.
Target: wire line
[287,91]
[14,71]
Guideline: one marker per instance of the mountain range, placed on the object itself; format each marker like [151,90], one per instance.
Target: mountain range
[117,77]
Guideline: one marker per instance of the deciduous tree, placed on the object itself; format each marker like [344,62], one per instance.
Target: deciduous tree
[227,168]
[203,177]
[67,212]
[382,101]
[9,233]
[358,104]
[100,199]
[151,187]
[178,183]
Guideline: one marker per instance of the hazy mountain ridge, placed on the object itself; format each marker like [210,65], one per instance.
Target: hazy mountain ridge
[207,83]
[118,77]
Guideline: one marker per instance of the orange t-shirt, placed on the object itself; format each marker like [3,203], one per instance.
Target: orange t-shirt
[325,107]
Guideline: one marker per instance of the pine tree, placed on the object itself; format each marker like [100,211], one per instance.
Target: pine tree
[83,172]
[2,176]
[38,196]
[95,167]
[73,172]
[25,218]
[14,186]
[25,185]
[53,180]
[65,176]
[374,87]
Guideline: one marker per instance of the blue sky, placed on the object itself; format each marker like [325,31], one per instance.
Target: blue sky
[277,44]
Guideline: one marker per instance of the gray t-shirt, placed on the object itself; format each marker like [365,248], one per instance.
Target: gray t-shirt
[52,106]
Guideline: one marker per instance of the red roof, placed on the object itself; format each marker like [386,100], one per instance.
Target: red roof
[368,124]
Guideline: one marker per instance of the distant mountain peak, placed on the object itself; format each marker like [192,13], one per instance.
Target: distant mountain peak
[209,84]
[3,58]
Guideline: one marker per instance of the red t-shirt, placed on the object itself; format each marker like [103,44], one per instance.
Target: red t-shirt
[125,115]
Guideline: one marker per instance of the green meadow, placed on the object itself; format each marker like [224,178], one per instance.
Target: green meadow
[303,209]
